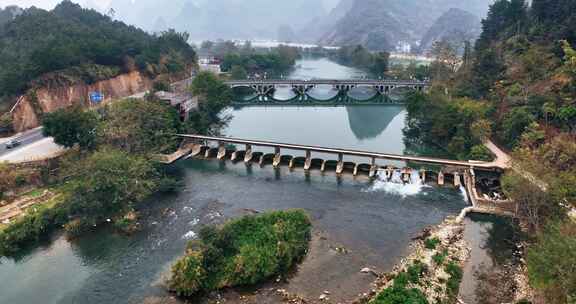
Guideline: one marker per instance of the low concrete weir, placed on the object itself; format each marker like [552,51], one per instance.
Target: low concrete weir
[459,174]
[343,152]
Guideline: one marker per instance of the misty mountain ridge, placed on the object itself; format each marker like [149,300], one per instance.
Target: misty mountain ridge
[388,24]
[221,19]
[456,26]
[376,24]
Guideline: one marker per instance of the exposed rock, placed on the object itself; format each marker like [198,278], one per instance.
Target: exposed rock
[385,25]
[456,26]
[27,112]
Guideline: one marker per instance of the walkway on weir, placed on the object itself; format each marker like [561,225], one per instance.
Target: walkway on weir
[341,152]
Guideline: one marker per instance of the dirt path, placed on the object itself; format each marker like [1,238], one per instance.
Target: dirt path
[19,206]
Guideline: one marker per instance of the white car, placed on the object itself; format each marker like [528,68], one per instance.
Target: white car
[13,144]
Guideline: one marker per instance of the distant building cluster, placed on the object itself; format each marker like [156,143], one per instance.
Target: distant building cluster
[184,103]
[209,63]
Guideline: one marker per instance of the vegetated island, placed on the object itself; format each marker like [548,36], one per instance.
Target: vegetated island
[245,251]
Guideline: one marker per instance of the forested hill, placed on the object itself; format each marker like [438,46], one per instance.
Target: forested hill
[9,13]
[89,45]
[518,87]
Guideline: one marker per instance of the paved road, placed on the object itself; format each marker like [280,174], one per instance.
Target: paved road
[26,138]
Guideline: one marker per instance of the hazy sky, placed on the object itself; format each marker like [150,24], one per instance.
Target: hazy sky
[48,4]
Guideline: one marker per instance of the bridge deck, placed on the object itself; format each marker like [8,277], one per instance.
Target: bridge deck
[426,160]
[327,82]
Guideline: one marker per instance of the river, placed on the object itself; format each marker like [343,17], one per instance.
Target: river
[357,223]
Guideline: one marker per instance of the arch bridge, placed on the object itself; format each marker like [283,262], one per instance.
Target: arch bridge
[301,87]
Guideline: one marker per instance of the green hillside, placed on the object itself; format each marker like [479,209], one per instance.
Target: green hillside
[89,45]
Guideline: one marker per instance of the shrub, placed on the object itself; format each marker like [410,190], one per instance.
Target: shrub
[415,272]
[242,252]
[480,152]
[396,295]
[431,243]
[30,227]
[440,257]
[551,262]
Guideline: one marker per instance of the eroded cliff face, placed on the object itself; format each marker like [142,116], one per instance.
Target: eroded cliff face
[27,113]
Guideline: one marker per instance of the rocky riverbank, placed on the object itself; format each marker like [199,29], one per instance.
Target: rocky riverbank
[432,252]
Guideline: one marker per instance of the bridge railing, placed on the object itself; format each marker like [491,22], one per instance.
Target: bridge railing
[330,81]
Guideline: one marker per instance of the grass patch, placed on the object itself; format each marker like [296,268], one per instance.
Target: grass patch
[399,293]
[35,193]
[453,283]
[431,243]
[396,295]
[440,257]
[415,272]
[245,251]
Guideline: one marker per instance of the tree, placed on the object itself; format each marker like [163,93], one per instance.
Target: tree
[238,72]
[552,262]
[446,60]
[570,61]
[514,124]
[140,126]
[108,183]
[72,126]
[380,63]
[481,129]
[215,94]
[6,124]
[534,205]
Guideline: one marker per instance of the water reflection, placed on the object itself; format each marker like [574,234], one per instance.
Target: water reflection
[367,122]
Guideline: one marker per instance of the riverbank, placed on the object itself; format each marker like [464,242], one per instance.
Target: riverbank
[433,266]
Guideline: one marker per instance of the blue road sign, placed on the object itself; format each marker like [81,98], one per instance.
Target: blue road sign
[96,97]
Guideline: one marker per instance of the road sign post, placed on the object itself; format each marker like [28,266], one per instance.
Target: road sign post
[96,97]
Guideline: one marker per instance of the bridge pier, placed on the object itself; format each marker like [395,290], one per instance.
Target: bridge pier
[221,151]
[441,178]
[308,162]
[249,154]
[234,155]
[277,157]
[423,176]
[323,166]
[457,182]
[340,166]
[261,161]
[373,168]
[406,175]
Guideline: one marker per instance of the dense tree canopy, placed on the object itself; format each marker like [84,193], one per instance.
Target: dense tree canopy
[139,126]
[38,41]
[256,61]
[107,183]
[71,126]
[214,96]
[360,57]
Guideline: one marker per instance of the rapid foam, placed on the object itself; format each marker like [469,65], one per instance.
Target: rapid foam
[464,194]
[396,186]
